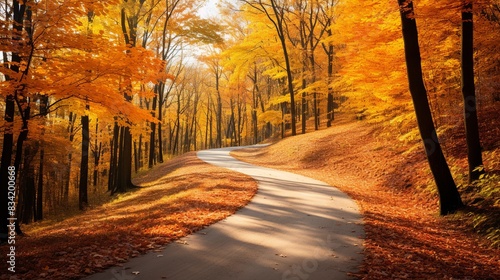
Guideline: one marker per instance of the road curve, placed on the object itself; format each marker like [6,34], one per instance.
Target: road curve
[294,228]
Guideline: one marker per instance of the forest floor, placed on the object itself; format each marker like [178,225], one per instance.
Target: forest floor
[179,197]
[405,236]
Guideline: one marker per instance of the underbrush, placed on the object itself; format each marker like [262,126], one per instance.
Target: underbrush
[482,198]
[481,213]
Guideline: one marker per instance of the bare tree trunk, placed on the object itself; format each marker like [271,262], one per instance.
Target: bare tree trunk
[39,196]
[152,146]
[219,117]
[304,105]
[474,155]
[113,163]
[97,154]
[26,210]
[84,164]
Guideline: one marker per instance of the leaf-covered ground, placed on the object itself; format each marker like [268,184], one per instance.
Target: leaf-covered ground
[405,237]
[179,197]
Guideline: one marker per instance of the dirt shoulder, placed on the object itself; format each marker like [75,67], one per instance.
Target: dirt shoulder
[178,198]
[405,237]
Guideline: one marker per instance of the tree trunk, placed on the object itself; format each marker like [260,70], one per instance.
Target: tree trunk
[97,158]
[474,154]
[39,196]
[219,119]
[71,128]
[160,140]
[113,163]
[255,104]
[330,101]
[23,135]
[136,158]
[124,171]
[139,153]
[283,126]
[242,119]
[8,142]
[97,154]
[187,140]
[194,122]
[25,116]
[312,60]
[84,165]
[304,105]
[211,140]
[178,126]
[152,146]
[290,88]
[449,197]
[207,130]
[27,194]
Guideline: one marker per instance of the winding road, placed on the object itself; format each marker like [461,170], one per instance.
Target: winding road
[295,228]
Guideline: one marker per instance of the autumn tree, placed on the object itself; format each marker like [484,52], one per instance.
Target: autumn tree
[15,18]
[76,72]
[130,12]
[213,62]
[85,122]
[449,197]
[245,60]
[167,48]
[305,17]
[326,20]
[276,13]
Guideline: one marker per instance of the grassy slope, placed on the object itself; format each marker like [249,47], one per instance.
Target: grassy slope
[405,236]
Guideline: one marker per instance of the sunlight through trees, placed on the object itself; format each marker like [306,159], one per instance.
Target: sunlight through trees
[93,92]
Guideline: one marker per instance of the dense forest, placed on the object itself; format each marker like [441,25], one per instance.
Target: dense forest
[93,92]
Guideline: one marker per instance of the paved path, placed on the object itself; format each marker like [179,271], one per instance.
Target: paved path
[295,228]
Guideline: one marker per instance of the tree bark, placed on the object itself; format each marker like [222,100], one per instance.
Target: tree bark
[160,131]
[474,154]
[304,105]
[113,163]
[219,112]
[39,196]
[27,193]
[84,165]
[255,104]
[152,146]
[97,154]
[449,197]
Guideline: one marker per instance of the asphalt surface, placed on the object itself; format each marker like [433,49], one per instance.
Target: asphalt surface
[295,228]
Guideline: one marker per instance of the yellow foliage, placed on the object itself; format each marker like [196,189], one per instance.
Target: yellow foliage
[270,116]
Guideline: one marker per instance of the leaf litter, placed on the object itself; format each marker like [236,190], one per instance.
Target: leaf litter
[405,238]
[177,198]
